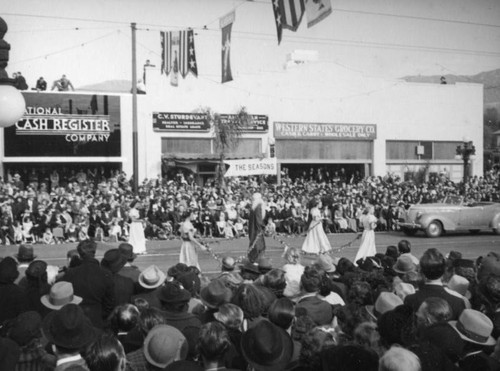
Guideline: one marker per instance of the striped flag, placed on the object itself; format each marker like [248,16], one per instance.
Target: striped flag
[166,55]
[178,51]
[288,14]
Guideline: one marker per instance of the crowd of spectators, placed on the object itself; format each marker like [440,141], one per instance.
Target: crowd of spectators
[391,312]
[61,84]
[69,205]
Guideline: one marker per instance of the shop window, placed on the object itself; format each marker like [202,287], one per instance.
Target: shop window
[324,150]
[247,148]
[445,150]
[401,150]
[185,145]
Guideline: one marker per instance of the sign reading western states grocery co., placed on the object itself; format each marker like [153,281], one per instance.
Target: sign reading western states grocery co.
[303,130]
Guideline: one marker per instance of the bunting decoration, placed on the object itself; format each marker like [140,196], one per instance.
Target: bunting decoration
[226,24]
[178,55]
[288,14]
[317,10]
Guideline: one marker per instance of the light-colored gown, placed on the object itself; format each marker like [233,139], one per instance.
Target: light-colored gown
[188,254]
[316,240]
[136,238]
[367,247]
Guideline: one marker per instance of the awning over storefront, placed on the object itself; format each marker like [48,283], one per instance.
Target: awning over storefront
[186,158]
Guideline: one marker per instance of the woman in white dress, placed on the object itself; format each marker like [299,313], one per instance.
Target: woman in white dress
[316,241]
[188,254]
[369,222]
[136,238]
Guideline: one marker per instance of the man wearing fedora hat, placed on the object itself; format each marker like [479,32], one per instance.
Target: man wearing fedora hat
[175,303]
[150,280]
[94,284]
[129,270]
[25,255]
[114,261]
[475,329]
[13,299]
[267,347]
[69,331]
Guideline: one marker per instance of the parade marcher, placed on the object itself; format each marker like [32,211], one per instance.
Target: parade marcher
[367,247]
[257,244]
[137,238]
[188,254]
[316,241]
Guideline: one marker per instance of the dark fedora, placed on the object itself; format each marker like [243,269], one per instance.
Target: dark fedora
[248,266]
[215,294]
[173,293]
[264,265]
[267,346]
[68,328]
[26,327]
[8,270]
[190,281]
[36,269]
[113,260]
[127,250]
[25,254]
[404,264]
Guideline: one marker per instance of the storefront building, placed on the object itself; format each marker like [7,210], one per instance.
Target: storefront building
[308,117]
[66,133]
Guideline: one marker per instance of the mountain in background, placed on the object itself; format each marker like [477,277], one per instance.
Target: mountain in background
[491,107]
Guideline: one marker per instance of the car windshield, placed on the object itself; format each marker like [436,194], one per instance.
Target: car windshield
[453,200]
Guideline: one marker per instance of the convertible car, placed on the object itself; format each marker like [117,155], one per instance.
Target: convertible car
[453,214]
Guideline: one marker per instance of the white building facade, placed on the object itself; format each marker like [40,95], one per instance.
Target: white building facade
[312,114]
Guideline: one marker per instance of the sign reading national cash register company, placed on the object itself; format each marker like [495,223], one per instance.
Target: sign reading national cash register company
[60,124]
[175,121]
[301,130]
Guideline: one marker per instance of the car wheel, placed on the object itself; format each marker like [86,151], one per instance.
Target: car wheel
[409,232]
[434,229]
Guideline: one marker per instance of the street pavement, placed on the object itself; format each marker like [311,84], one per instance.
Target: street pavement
[166,253]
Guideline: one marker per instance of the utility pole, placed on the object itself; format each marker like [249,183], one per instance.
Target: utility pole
[135,141]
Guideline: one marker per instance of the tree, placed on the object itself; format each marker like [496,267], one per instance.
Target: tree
[227,135]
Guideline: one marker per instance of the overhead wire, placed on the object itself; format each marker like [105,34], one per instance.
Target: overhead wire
[79,45]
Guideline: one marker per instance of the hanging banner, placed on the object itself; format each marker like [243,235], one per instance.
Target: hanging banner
[317,10]
[251,166]
[287,14]
[226,24]
[178,54]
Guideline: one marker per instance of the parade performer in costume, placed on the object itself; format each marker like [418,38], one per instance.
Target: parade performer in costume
[257,244]
[367,247]
[188,254]
[316,241]
[137,238]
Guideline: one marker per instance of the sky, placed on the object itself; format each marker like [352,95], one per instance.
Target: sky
[90,41]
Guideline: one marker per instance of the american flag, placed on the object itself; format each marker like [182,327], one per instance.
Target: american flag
[180,43]
[288,14]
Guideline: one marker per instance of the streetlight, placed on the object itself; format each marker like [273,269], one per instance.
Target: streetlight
[466,151]
[12,104]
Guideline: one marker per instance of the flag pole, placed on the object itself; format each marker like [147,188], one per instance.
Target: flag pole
[135,153]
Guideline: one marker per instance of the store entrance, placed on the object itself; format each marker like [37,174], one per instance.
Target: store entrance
[325,172]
